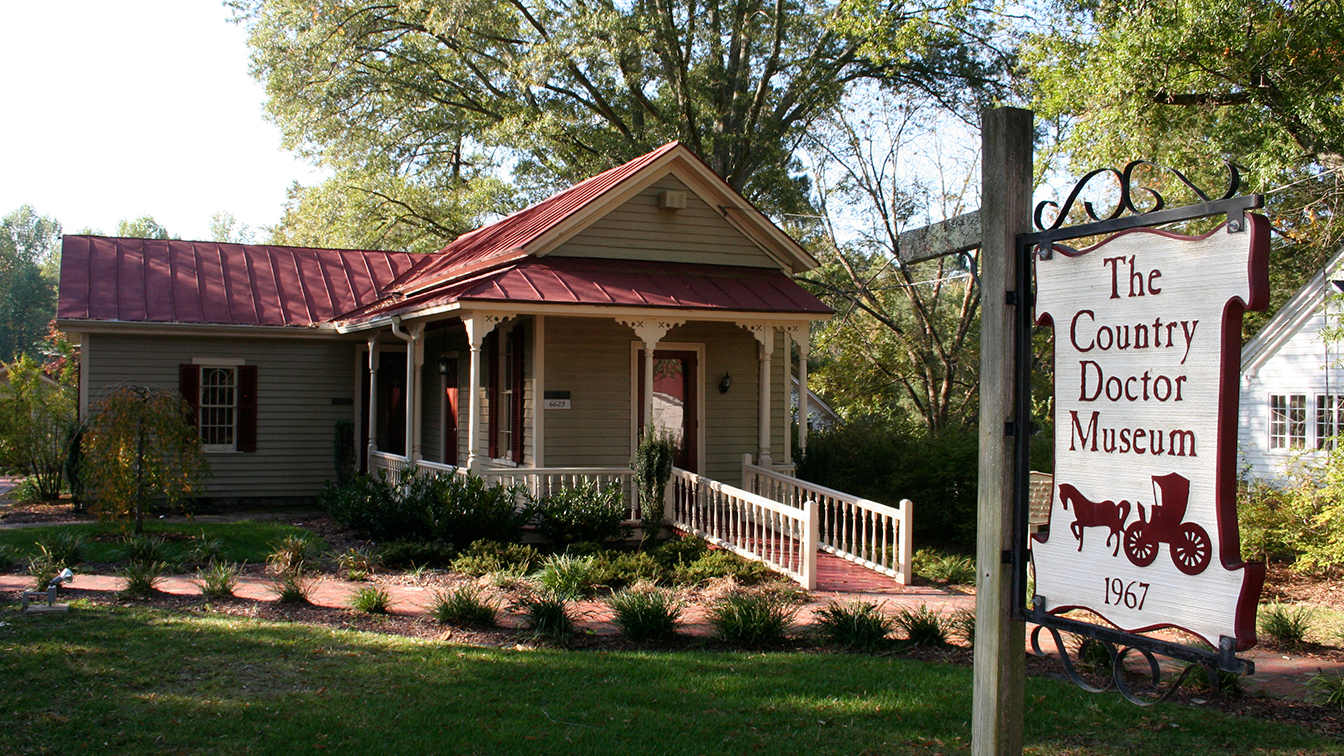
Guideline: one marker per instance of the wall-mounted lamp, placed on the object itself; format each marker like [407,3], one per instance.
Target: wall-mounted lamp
[725,383]
[445,364]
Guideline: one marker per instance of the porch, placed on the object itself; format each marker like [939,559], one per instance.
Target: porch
[775,518]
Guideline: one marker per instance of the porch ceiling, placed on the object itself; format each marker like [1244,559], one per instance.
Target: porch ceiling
[615,283]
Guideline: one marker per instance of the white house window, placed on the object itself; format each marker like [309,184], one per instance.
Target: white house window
[219,407]
[1287,421]
[1329,419]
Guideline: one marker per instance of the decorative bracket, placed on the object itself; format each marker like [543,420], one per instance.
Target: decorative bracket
[650,331]
[764,333]
[479,325]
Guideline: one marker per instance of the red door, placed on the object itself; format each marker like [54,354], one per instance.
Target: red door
[674,402]
[450,413]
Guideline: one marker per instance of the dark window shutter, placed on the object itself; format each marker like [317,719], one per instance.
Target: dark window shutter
[247,408]
[492,390]
[189,383]
[517,419]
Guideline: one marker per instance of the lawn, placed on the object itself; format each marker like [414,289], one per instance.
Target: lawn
[243,541]
[130,679]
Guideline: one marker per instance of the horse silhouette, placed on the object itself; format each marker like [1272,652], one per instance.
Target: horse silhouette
[1091,514]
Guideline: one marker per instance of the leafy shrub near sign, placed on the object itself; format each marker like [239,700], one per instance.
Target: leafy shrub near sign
[568,577]
[1302,521]
[586,512]
[886,461]
[1288,625]
[923,626]
[464,605]
[752,618]
[946,569]
[857,624]
[372,505]
[646,612]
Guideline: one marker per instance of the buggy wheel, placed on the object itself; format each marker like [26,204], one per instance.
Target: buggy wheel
[1140,546]
[1191,550]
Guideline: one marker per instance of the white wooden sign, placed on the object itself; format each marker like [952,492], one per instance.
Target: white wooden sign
[1143,526]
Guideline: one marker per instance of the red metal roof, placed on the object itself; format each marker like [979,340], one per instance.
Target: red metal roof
[172,281]
[514,232]
[619,283]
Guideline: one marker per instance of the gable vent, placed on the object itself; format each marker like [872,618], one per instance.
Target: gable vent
[672,200]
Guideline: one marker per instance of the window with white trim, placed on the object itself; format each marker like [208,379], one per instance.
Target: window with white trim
[1287,421]
[219,408]
[1329,419]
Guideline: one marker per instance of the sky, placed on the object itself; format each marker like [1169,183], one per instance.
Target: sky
[114,110]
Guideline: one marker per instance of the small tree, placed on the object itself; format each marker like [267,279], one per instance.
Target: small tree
[653,468]
[36,420]
[140,447]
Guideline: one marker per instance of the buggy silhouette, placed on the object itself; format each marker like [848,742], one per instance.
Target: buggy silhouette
[1189,544]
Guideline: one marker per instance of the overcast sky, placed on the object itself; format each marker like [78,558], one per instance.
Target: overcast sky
[120,109]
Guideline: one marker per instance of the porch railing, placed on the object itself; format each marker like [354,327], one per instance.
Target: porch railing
[394,464]
[544,481]
[782,536]
[876,536]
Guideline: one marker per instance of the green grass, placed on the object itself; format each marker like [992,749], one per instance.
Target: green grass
[243,541]
[131,680]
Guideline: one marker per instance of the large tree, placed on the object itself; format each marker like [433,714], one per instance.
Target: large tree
[1194,83]
[30,261]
[442,94]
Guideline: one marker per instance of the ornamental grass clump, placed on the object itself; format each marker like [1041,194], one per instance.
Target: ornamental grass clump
[944,569]
[857,624]
[465,605]
[148,548]
[64,548]
[293,553]
[1286,624]
[568,577]
[646,612]
[1327,689]
[291,588]
[141,578]
[370,599]
[43,570]
[356,563]
[923,626]
[962,624]
[218,579]
[545,616]
[752,619]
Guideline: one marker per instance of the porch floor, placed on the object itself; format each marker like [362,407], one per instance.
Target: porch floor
[843,576]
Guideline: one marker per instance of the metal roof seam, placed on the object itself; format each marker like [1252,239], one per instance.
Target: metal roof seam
[303,289]
[252,287]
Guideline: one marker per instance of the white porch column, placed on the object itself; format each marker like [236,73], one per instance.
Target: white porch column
[372,428]
[765,336]
[650,332]
[803,349]
[416,352]
[478,326]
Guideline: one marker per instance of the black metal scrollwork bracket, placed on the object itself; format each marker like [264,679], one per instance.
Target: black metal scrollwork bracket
[1041,243]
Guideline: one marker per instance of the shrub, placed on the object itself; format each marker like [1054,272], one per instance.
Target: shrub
[370,599]
[218,580]
[616,569]
[646,612]
[1327,688]
[652,464]
[585,512]
[461,509]
[148,548]
[464,605]
[923,626]
[719,564]
[357,563]
[678,551]
[291,588]
[141,577]
[947,569]
[372,505]
[63,548]
[1286,624]
[1303,520]
[857,624]
[751,619]
[568,577]
[545,616]
[293,553]
[411,554]
[484,557]
[36,420]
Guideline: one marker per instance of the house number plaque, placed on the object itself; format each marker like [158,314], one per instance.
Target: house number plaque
[1143,525]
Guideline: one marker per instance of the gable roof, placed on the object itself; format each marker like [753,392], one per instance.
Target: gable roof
[1291,318]
[535,230]
[174,281]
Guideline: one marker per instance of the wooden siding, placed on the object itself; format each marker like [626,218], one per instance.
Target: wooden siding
[296,383]
[1299,366]
[640,230]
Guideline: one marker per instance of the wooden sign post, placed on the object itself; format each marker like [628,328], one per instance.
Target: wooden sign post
[1006,177]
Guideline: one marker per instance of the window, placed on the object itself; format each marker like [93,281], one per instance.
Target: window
[223,401]
[218,407]
[1287,421]
[1329,420]
[505,392]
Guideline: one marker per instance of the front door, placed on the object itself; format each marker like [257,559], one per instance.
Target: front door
[674,402]
[450,412]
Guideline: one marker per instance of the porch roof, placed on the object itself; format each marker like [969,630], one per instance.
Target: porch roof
[616,283]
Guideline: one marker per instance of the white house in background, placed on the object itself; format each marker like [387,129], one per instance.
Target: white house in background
[1292,385]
